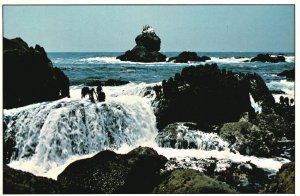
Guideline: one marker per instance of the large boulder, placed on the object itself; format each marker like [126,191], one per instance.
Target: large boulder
[290,74]
[268,58]
[108,172]
[146,50]
[29,76]
[185,57]
[19,182]
[284,181]
[187,181]
[203,94]
[248,139]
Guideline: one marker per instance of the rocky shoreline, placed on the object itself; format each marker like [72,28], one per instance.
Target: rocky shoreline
[203,98]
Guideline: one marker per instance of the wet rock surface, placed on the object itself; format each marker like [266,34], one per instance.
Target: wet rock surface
[108,172]
[190,181]
[289,74]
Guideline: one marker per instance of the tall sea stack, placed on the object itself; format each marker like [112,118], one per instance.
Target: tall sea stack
[146,49]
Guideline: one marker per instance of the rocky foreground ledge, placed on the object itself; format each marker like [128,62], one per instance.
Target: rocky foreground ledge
[29,76]
[142,170]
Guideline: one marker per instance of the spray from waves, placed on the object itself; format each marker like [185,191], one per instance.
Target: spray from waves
[257,107]
[286,86]
[187,137]
[48,135]
[51,135]
[228,60]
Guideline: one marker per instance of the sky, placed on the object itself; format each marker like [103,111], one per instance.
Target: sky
[108,28]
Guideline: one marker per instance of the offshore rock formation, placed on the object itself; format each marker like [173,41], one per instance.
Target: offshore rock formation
[109,82]
[108,172]
[268,58]
[185,57]
[146,49]
[29,75]
[289,74]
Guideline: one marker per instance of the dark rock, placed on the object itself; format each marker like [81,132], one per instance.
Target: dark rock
[248,139]
[146,50]
[29,76]
[279,120]
[184,57]
[259,90]
[9,144]
[187,181]
[205,95]
[108,172]
[284,181]
[109,82]
[290,74]
[150,41]
[19,182]
[268,58]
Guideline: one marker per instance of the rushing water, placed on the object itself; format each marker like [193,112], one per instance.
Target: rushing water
[51,135]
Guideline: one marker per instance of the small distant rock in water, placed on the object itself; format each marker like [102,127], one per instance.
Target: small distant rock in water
[109,82]
[146,49]
[186,56]
[289,74]
[268,58]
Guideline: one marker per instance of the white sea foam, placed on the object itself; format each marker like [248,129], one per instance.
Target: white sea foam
[290,59]
[108,60]
[51,135]
[286,86]
[256,106]
[227,60]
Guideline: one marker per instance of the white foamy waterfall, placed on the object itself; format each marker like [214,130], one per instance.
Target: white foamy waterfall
[51,135]
[255,105]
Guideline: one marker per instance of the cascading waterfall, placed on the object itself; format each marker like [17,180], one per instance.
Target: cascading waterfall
[51,135]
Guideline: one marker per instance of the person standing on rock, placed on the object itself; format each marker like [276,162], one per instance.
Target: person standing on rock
[100,93]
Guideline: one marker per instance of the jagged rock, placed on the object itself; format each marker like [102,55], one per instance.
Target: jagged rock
[187,181]
[29,76]
[284,181]
[204,95]
[290,74]
[146,50]
[19,182]
[184,57]
[248,139]
[109,82]
[268,58]
[108,172]
[259,90]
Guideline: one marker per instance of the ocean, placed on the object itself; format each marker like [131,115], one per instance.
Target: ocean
[51,135]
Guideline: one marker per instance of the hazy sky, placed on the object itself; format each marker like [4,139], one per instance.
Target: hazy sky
[203,28]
